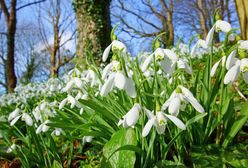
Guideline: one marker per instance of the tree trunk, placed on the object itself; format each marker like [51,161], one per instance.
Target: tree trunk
[170,24]
[10,19]
[202,17]
[93,27]
[242,11]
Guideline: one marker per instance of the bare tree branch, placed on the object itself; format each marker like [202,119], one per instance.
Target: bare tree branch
[29,4]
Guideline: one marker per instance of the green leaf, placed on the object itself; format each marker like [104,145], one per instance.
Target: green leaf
[196,118]
[237,125]
[56,164]
[114,148]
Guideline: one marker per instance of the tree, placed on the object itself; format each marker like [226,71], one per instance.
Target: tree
[152,18]
[242,11]
[60,19]
[93,27]
[11,20]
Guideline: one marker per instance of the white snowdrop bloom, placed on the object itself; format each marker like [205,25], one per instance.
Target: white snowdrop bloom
[223,26]
[15,116]
[231,37]
[73,102]
[87,139]
[220,25]
[215,66]
[81,111]
[27,118]
[36,113]
[115,46]
[91,78]
[74,82]
[43,127]
[58,132]
[114,66]
[181,94]
[131,118]
[234,71]
[159,121]
[168,61]
[11,148]
[120,81]
[63,103]
[243,45]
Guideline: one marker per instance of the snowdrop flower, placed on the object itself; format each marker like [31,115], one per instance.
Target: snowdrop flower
[179,95]
[119,80]
[223,26]
[115,46]
[243,45]
[15,116]
[74,82]
[159,121]
[11,148]
[111,67]
[91,77]
[234,70]
[215,66]
[43,127]
[131,118]
[58,132]
[71,100]
[87,139]
[168,61]
[220,25]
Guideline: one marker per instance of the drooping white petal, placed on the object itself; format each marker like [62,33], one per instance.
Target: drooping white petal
[210,36]
[118,45]
[72,100]
[193,50]
[202,43]
[13,114]
[28,120]
[14,120]
[120,80]
[148,113]
[223,26]
[214,68]
[176,121]
[244,68]
[167,67]
[106,70]
[146,63]
[231,59]
[160,129]
[188,96]
[132,116]
[231,37]
[171,55]
[62,104]
[78,82]
[244,64]
[148,126]
[244,45]
[108,85]
[130,88]
[106,53]
[68,86]
[174,106]
[81,111]
[245,76]
[232,74]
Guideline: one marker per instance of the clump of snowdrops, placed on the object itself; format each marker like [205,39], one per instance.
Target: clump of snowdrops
[141,111]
